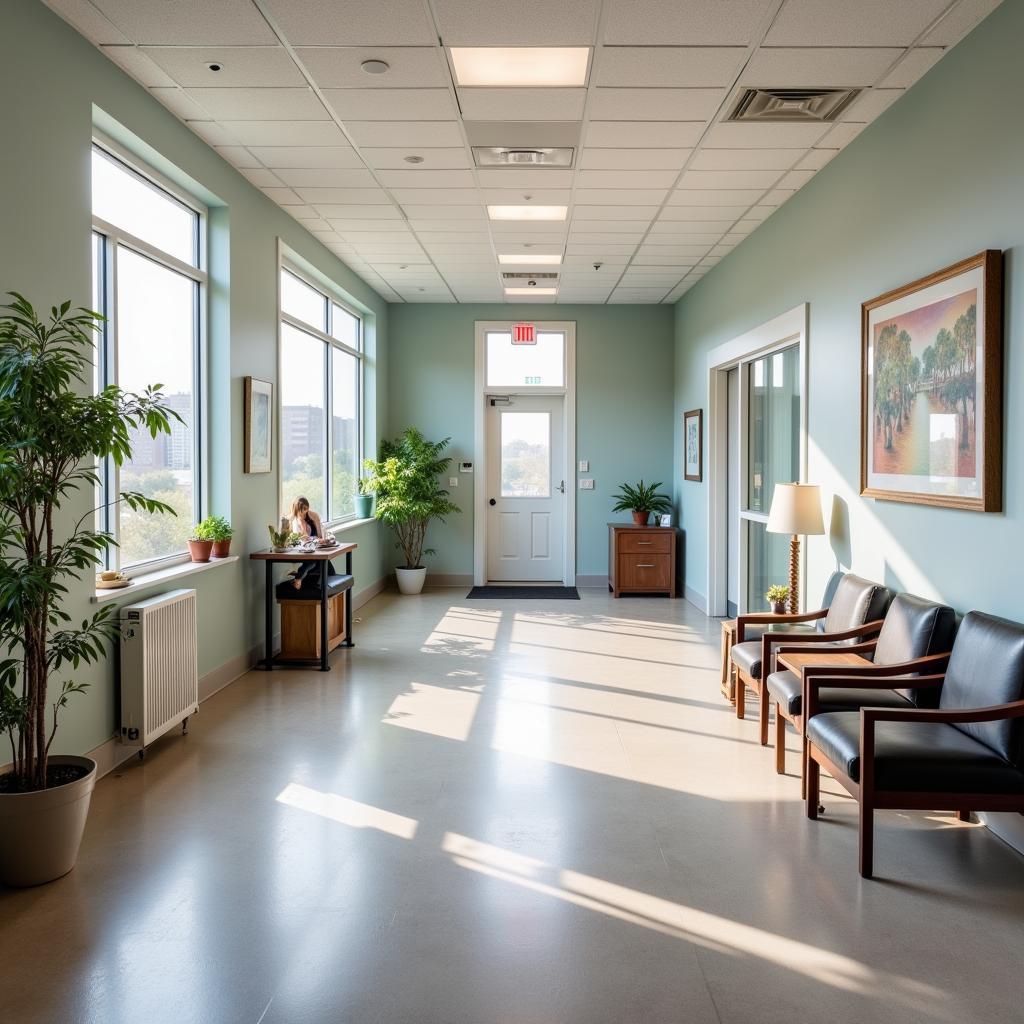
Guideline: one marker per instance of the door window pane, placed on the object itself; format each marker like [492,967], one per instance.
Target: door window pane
[773,425]
[156,315]
[540,365]
[525,454]
[125,199]
[344,326]
[303,388]
[344,434]
[302,302]
[767,563]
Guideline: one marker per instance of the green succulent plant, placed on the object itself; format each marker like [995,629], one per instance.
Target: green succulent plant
[641,497]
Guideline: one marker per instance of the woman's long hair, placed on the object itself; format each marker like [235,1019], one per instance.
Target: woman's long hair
[299,507]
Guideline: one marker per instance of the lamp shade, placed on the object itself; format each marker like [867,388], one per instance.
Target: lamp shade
[796,509]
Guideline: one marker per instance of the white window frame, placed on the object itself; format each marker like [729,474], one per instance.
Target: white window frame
[113,237]
[333,295]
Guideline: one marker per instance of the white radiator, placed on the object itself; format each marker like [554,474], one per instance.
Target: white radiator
[159,666]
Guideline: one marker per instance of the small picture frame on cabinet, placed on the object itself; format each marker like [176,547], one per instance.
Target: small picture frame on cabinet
[665,520]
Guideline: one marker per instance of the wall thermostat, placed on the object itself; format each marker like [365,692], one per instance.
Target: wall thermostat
[465,467]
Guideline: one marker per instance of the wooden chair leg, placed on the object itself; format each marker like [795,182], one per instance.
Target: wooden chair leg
[963,815]
[812,782]
[867,838]
[762,711]
[741,696]
[805,764]
[780,743]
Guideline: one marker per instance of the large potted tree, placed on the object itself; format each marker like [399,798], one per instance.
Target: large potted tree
[53,431]
[409,496]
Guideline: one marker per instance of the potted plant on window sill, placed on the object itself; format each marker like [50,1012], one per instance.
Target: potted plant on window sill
[364,499]
[52,431]
[641,499]
[218,530]
[405,480]
[200,544]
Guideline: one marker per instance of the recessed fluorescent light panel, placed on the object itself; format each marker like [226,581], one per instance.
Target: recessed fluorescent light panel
[521,65]
[531,291]
[524,259]
[527,212]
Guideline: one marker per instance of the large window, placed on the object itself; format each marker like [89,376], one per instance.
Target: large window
[148,281]
[321,399]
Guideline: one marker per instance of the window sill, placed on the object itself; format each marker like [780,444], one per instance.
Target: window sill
[165,575]
[348,524]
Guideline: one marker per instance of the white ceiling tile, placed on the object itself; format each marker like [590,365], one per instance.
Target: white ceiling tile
[454,259]
[405,134]
[678,251]
[602,237]
[379,227]
[841,23]
[655,104]
[745,159]
[353,22]
[714,196]
[796,179]
[841,135]
[611,213]
[960,20]
[391,104]
[596,159]
[238,156]
[518,197]
[524,23]
[678,228]
[668,66]
[916,63]
[649,259]
[641,135]
[802,67]
[511,177]
[815,159]
[213,133]
[308,157]
[693,23]
[764,136]
[87,20]
[645,197]
[699,213]
[634,297]
[729,179]
[285,133]
[574,263]
[240,65]
[261,104]
[582,224]
[446,214]
[188,22]
[626,179]
[262,178]
[871,104]
[778,196]
[328,177]
[138,65]
[437,196]
[746,226]
[344,196]
[594,249]
[282,196]
[338,67]
[180,104]
[522,104]
[704,238]
[734,237]
[338,211]
[426,179]
[433,159]
[759,213]
[420,226]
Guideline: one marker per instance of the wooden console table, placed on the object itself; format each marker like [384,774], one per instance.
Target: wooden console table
[641,559]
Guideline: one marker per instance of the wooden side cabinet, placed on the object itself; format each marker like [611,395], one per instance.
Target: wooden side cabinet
[641,559]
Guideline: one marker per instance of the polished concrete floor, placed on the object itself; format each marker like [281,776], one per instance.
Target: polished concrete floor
[504,813]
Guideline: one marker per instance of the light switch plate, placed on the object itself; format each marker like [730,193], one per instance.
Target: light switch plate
[584,466]
[587,484]
[453,481]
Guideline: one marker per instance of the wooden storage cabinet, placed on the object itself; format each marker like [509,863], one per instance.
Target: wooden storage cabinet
[641,559]
[300,626]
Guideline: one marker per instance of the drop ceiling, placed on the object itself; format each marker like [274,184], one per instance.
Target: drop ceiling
[660,188]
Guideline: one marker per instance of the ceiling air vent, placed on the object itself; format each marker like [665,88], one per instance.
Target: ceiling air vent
[514,275]
[500,156]
[789,105]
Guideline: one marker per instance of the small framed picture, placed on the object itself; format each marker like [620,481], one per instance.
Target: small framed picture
[665,520]
[693,445]
[259,425]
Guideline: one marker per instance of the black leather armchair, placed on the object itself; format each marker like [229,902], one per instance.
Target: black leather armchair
[965,755]
[854,613]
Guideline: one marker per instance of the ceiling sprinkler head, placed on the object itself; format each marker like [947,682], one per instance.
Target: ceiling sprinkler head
[532,284]
[375,67]
[215,66]
[412,159]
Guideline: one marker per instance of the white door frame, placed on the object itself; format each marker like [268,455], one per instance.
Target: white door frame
[480,395]
[783,331]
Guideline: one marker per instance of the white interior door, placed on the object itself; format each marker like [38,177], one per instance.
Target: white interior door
[525,488]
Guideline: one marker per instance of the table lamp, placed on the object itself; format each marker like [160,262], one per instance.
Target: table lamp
[796,510]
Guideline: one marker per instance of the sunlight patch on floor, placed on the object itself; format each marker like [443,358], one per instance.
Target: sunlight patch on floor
[346,811]
[438,710]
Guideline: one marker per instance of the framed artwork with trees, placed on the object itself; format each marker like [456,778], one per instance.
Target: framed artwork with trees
[932,389]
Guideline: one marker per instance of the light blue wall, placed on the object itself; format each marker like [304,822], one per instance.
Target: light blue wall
[50,79]
[935,179]
[623,405]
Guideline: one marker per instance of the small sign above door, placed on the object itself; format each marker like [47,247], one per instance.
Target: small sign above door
[524,334]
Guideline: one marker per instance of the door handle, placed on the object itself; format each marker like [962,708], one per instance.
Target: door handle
[561,486]
[644,565]
[493,502]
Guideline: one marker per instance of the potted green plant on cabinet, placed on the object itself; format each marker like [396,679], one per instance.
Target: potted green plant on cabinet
[641,499]
[53,429]
[405,480]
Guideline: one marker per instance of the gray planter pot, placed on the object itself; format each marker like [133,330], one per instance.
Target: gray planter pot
[410,581]
[364,506]
[40,832]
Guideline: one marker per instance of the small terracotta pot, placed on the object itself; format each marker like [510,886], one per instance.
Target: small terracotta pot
[641,518]
[200,550]
[222,548]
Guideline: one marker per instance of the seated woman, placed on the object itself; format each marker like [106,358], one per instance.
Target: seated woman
[306,523]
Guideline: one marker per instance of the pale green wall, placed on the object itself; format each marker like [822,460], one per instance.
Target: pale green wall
[50,78]
[623,405]
[935,179]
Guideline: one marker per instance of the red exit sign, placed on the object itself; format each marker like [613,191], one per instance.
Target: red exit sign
[524,334]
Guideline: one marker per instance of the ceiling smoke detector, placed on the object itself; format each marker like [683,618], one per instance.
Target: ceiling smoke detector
[375,67]
[522,156]
[792,105]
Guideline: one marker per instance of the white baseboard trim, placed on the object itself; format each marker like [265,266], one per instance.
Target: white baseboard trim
[368,593]
[1007,825]
[696,598]
[600,580]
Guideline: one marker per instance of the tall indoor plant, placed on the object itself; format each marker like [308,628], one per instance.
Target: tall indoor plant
[409,496]
[53,431]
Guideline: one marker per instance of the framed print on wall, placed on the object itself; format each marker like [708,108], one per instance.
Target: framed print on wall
[693,445]
[932,387]
[259,425]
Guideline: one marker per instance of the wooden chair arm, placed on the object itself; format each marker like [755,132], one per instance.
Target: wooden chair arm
[930,661]
[814,685]
[963,716]
[764,619]
[795,648]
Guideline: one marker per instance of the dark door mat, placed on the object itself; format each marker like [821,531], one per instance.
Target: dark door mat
[523,593]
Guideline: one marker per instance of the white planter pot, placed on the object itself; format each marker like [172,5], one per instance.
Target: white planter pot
[40,832]
[410,581]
